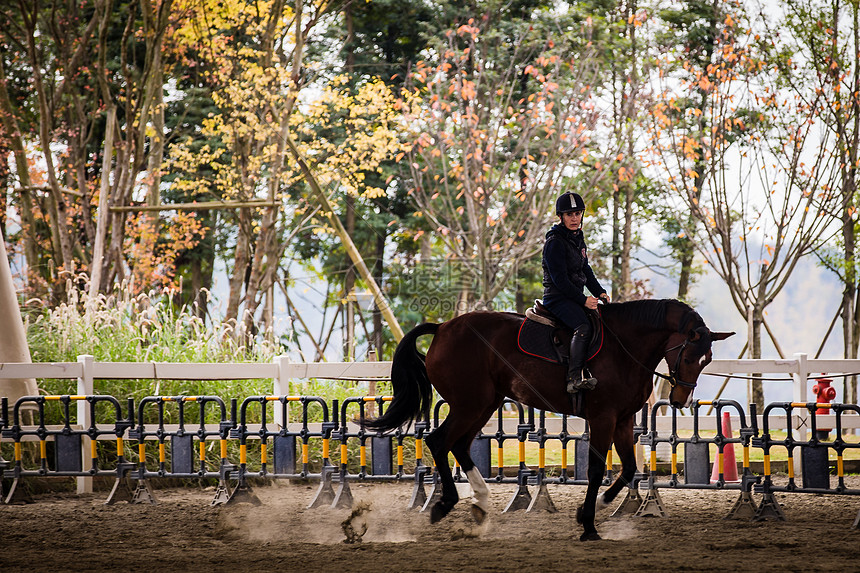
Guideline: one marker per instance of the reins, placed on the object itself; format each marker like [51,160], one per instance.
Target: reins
[672,378]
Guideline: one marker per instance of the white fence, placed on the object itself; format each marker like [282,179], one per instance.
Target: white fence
[798,370]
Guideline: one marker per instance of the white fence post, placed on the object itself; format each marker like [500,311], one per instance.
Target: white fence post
[85,388]
[280,387]
[801,415]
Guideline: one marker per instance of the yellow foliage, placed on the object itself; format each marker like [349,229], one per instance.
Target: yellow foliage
[259,103]
[369,125]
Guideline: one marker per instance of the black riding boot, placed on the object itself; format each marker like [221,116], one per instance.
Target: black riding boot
[578,348]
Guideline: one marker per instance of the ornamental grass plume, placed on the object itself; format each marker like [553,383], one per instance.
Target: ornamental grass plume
[123,327]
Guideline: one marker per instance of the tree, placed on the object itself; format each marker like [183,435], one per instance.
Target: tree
[629,58]
[766,188]
[254,85]
[497,129]
[134,88]
[820,63]
[699,24]
[85,59]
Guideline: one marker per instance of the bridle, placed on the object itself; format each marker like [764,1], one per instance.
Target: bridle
[672,378]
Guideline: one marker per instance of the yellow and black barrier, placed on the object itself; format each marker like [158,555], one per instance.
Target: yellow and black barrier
[194,419]
[284,436]
[200,437]
[814,455]
[67,443]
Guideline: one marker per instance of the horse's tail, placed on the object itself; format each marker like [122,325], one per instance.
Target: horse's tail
[412,390]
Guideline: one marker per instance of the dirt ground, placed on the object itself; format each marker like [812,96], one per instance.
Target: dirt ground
[65,532]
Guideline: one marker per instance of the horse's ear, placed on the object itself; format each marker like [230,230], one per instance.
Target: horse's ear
[720,335]
[696,334]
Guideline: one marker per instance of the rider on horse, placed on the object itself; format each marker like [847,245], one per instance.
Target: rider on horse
[565,273]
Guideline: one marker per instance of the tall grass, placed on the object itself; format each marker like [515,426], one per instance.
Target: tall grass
[145,328]
[124,327]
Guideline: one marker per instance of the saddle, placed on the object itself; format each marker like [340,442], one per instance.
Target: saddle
[545,336]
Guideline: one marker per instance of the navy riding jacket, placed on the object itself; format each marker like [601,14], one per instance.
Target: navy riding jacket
[566,273]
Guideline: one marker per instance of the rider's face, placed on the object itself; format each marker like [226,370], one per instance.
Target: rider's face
[572,220]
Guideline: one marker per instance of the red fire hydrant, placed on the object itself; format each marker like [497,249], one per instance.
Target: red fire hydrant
[824,394]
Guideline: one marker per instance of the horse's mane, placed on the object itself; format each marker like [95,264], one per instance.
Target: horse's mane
[647,312]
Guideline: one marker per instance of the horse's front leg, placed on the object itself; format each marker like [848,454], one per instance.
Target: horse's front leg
[623,441]
[596,465]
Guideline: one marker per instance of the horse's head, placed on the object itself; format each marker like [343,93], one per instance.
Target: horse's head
[687,353]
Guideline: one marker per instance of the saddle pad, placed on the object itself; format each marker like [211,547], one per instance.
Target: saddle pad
[553,344]
[536,339]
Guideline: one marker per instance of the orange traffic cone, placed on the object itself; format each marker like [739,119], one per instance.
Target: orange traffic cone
[730,466]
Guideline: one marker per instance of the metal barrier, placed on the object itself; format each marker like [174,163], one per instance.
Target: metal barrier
[206,420]
[85,372]
[181,445]
[283,439]
[814,453]
[697,464]
[697,461]
[68,442]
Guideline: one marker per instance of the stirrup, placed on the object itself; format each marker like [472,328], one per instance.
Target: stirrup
[574,386]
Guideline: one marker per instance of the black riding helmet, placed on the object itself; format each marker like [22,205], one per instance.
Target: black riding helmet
[569,202]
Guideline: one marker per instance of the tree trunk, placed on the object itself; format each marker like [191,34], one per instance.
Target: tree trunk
[103,216]
[201,281]
[252,298]
[849,320]
[5,181]
[349,223]
[196,265]
[617,285]
[626,279]
[686,261]
[156,150]
[79,159]
[13,134]
[240,265]
[687,252]
[849,190]
[630,113]
[465,300]
[349,284]
[113,266]
[77,114]
[757,387]
[59,208]
[377,273]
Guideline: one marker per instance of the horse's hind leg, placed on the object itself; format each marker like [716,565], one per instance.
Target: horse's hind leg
[439,444]
[455,434]
[481,499]
[624,446]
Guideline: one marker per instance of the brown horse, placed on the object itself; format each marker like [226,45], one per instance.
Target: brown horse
[474,363]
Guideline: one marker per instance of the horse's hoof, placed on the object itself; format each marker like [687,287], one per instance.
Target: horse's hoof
[438,511]
[478,514]
[589,536]
[579,515]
